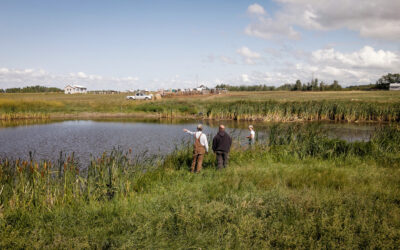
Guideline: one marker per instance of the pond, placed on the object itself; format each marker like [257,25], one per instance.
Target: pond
[46,138]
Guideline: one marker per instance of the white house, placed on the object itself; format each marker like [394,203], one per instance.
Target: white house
[201,88]
[394,86]
[75,89]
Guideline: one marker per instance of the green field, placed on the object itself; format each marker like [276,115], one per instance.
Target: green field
[299,190]
[265,106]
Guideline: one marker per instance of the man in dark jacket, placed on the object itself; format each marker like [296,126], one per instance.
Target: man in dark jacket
[221,146]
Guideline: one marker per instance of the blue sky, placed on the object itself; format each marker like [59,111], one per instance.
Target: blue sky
[162,44]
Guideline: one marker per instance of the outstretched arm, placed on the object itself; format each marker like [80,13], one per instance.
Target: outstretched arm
[188,131]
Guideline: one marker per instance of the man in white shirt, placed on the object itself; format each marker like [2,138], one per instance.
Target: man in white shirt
[200,147]
[252,135]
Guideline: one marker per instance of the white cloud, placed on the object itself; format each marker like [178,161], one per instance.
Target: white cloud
[245,78]
[248,56]
[26,77]
[378,19]
[367,57]
[256,9]
[362,66]
[268,28]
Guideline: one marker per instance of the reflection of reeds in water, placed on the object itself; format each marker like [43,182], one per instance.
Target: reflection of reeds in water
[24,122]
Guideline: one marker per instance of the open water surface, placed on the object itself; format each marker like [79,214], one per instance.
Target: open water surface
[86,138]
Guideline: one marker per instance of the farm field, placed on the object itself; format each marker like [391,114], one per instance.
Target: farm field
[269,106]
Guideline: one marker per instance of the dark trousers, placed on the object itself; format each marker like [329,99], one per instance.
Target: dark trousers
[222,159]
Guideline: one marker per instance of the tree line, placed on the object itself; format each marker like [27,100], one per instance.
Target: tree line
[316,85]
[31,89]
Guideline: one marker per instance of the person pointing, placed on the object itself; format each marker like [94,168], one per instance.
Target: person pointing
[200,147]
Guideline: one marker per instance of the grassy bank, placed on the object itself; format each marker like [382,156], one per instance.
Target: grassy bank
[377,106]
[300,189]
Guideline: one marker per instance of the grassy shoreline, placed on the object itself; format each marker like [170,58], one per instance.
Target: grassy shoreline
[301,189]
[374,106]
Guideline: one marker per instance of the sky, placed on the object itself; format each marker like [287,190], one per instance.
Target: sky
[155,44]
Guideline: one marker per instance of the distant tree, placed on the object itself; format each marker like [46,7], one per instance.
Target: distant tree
[321,86]
[286,86]
[33,89]
[2,91]
[314,84]
[335,86]
[297,86]
[385,81]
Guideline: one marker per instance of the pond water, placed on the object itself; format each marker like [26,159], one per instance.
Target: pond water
[152,137]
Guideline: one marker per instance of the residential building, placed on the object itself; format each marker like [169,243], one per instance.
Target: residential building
[75,89]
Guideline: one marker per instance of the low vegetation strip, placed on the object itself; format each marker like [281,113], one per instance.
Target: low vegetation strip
[300,189]
[377,107]
[281,111]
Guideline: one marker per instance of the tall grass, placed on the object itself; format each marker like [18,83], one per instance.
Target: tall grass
[300,189]
[280,111]
[305,111]
[309,107]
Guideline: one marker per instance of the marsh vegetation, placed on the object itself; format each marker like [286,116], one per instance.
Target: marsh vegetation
[298,189]
[350,106]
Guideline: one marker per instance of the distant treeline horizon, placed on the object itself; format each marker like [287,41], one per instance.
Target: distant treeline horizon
[32,89]
[315,85]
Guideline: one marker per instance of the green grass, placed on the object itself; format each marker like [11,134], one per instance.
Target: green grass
[350,106]
[301,190]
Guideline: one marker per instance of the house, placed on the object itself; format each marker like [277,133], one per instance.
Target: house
[394,86]
[201,88]
[75,89]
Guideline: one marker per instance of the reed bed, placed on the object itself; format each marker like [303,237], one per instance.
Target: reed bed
[299,189]
[374,106]
[305,111]
[281,111]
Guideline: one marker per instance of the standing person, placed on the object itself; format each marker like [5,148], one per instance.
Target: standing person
[200,147]
[221,146]
[252,135]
